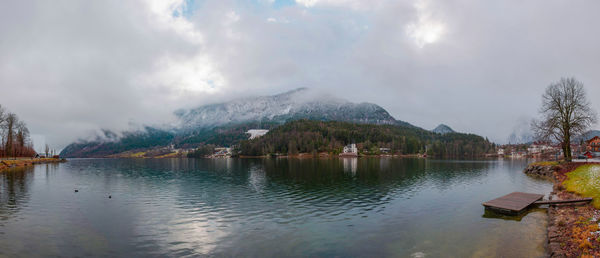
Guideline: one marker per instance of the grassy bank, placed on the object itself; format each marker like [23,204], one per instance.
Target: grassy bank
[573,229]
[544,163]
[585,181]
[22,162]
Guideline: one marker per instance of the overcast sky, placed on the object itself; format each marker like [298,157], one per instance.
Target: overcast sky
[68,68]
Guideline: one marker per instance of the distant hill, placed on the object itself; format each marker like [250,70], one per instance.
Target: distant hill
[226,124]
[443,129]
[586,136]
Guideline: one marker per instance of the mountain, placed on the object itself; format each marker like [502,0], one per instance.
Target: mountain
[297,104]
[586,136]
[521,132]
[443,129]
[226,123]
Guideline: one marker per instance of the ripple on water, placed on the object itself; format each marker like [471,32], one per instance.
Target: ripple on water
[360,207]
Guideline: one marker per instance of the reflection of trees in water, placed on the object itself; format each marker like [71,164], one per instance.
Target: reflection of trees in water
[334,186]
[207,201]
[14,187]
[366,182]
[299,187]
[285,190]
[443,174]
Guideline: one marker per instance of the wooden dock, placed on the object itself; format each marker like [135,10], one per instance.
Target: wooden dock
[516,202]
[513,203]
[564,201]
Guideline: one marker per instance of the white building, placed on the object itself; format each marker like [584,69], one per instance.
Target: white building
[385,150]
[534,149]
[223,150]
[501,152]
[538,148]
[350,149]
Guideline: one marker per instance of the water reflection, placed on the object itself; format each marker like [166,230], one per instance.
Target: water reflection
[14,194]
[264,207]
[350,165]
[491,214]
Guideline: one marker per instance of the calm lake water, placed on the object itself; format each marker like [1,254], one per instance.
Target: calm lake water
[267,208]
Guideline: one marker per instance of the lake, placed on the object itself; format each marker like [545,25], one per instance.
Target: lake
[356,207]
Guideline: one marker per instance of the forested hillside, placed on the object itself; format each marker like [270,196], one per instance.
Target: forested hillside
[307,136]
[151,138]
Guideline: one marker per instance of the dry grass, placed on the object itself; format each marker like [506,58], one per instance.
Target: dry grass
[21,162]
[168,155]
[544,163]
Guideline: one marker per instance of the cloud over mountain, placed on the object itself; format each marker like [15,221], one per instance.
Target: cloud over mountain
[69,68]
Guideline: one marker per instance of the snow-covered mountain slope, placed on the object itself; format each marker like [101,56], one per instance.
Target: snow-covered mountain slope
[585,136]
[301,103]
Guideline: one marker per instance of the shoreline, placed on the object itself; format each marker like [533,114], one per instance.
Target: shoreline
[572,230]
[295,156]
[327,155]
[21,162]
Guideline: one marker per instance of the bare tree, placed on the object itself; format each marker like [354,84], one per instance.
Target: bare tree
[2,115]
[565,112]
[2,130]
[10,124]
[21,137]
[46,150]
[14,136]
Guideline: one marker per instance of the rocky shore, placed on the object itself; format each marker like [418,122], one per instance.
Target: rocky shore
[541,169]
[572,229]
[20,162]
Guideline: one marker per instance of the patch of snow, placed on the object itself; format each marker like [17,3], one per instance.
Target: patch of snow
[254,133]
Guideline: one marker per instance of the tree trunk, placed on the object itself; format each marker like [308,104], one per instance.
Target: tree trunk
[568,156]
[567,148]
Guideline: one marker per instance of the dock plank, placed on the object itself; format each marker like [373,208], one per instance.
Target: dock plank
[564,201]
[514,202]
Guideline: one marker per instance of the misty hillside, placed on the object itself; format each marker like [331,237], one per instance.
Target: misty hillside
[297,104]
[225,124]
[586,136]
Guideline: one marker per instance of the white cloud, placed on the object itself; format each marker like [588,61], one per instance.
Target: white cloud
[426,29]
[353,4]
[110,64]
[183,76]
[275,20]
[162,12]
[232,17]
